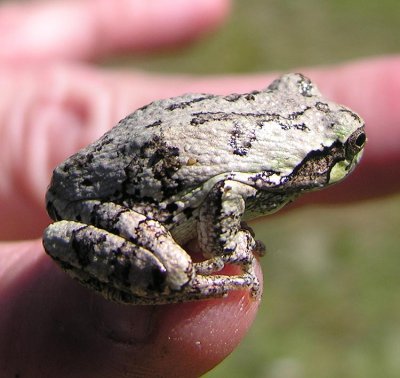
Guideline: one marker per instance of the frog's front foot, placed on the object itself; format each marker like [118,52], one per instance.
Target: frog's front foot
[243,256]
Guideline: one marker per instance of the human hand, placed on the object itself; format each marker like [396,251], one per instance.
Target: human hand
[51,105]
[52,325]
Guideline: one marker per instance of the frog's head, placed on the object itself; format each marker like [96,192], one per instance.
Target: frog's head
[349,156]
[330,164]
[336,139]
[320,167]
[315,144]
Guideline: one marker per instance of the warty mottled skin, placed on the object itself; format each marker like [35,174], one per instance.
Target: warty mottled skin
[191,167]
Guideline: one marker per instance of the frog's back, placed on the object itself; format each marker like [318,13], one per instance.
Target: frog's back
[138,157]
[176,144]
[160,149]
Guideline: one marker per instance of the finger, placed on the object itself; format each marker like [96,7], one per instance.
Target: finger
[52,326]
[91,29]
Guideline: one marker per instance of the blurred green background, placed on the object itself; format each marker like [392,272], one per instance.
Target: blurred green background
[331,306]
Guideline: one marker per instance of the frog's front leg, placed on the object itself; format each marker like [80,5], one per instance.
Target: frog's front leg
[223,237]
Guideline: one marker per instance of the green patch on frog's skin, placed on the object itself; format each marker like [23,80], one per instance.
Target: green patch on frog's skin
[191,167]
[341,169]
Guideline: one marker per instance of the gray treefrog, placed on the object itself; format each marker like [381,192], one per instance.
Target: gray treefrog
[194,166]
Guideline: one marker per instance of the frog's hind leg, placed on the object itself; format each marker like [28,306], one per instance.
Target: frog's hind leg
[102,260]
[140,231]
[130,258]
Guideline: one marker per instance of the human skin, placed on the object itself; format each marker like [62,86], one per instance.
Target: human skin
[53,102]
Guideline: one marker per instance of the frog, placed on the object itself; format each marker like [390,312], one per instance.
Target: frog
[196,166]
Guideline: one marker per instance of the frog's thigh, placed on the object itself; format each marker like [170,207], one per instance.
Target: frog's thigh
[146,232]
[97,257]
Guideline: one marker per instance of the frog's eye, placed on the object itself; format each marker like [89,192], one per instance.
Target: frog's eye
[355,143]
